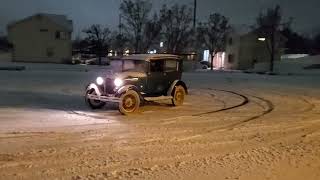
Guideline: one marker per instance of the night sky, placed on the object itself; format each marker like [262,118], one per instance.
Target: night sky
[85,12]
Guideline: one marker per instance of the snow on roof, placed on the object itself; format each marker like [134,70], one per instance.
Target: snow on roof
[148,57]
[60,20]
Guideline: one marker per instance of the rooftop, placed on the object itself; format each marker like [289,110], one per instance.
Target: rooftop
[60,20]
[149,57]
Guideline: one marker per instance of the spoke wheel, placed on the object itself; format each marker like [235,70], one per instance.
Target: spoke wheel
[94,104]
[129,102]
[178,96]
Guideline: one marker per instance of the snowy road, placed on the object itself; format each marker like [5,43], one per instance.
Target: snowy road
[232,126]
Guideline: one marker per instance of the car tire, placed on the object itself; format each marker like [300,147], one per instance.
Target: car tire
[178,95]
[94,104]
[129,102]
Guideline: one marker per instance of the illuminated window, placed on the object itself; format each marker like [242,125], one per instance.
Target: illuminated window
[206,54]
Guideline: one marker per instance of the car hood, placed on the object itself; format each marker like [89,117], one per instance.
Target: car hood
[128,74]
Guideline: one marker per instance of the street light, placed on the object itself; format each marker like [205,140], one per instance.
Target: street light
[262,39]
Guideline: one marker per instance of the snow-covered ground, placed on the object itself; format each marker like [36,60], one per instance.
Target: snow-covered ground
[232,126]
[297,66]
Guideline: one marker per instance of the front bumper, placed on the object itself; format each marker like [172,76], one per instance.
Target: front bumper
[99,95]
[103,98]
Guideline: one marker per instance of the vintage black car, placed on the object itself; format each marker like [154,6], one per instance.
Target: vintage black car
[134,79]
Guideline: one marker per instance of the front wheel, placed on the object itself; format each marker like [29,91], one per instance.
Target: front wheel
[178,96]
[129,102]
[94,104]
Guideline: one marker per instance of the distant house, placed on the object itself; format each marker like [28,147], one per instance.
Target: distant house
[244,48]
[243,51]
[41,38]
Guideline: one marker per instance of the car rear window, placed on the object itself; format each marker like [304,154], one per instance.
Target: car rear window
[171,66]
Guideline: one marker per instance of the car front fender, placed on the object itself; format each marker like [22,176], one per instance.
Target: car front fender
[126,88]
[95,87]
[177,83]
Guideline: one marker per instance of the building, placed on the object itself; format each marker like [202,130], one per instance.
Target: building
[44,38]
[243,50]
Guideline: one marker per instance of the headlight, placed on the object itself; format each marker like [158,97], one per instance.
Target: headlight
[118,82]
[100,80]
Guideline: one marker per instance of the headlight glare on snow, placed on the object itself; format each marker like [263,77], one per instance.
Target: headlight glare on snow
[100,80]
[118,82]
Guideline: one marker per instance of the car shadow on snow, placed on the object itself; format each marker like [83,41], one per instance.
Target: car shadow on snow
[44,100]
[65,102]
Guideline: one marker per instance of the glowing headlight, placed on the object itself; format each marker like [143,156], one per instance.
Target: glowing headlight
[118,82]
[100,80]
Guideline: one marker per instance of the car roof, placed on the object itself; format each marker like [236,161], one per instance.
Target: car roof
[149,57]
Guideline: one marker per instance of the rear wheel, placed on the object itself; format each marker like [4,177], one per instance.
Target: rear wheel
[129,102]
[94,104]
[178,96]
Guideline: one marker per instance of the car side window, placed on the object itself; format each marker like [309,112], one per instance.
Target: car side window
[171,66]
[157,66]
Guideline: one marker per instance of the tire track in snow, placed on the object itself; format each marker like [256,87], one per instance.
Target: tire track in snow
[268,109]
[245,100]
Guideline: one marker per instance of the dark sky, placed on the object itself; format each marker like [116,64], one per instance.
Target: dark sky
[306,13]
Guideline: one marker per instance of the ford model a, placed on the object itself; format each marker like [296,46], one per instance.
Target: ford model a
[139,78]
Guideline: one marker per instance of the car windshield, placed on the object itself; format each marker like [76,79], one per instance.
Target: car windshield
[128,65]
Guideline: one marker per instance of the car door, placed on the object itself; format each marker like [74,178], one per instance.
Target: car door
[156,81]
[171,71]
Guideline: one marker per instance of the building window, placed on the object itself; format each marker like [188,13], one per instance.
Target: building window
[61,35]
[230,41]
[230,58]
[43,30]
[206,55]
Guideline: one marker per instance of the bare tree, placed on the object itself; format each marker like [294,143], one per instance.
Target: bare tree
[213,33]
[177,29]
[151,32]
[119,42]
[99,40]
[269,24]
[136,15]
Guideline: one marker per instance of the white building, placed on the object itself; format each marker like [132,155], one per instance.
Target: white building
[41,38]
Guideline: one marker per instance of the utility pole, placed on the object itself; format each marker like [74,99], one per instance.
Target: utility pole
[194,14]
[120,20]
[120,24]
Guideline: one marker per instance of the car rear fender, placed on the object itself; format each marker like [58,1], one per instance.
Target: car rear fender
[95,87]
[177,83]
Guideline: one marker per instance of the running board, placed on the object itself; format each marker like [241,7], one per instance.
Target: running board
[160,98]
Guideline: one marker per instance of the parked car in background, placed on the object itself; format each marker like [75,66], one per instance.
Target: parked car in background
[95,61]
[205,64]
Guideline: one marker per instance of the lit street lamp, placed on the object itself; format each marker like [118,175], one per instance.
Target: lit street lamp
[262,39]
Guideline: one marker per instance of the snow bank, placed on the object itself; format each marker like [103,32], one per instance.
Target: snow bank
[292,66]
[54,67]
